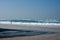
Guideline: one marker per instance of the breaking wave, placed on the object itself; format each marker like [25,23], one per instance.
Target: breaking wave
[32,22]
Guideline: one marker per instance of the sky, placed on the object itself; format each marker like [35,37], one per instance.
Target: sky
[29,9]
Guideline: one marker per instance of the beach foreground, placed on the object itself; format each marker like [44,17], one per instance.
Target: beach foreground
[40,37]
[55,36]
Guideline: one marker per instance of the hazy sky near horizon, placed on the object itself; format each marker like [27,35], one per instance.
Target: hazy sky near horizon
[29,9]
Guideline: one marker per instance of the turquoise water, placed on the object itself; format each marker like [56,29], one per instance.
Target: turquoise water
[36,21]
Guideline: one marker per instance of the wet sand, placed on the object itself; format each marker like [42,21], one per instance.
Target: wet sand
[31,27]
[37,37]
[40,37]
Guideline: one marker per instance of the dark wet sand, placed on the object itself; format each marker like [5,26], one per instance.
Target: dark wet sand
[40,37]
[37,37]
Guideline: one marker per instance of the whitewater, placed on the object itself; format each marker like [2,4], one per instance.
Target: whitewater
[42,23]
[31,22]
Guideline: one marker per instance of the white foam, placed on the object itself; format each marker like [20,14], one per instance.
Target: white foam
[5,22]
[26,23]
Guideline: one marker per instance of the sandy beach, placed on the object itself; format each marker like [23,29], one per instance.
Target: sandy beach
[36,37]
[40,37]
[52,28]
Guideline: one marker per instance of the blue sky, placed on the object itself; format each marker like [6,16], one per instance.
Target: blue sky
[29,9]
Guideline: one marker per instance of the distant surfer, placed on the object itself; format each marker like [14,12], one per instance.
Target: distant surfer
[11,21]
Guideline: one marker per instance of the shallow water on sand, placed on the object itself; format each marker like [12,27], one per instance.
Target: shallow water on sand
[14,33]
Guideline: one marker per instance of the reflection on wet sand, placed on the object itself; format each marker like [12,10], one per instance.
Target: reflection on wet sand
[15,33]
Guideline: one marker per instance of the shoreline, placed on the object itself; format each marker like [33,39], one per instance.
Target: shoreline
[30,27]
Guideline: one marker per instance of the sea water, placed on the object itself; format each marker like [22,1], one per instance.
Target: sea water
[32,22]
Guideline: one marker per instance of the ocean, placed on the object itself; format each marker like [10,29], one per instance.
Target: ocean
[13,33]
[32,22]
